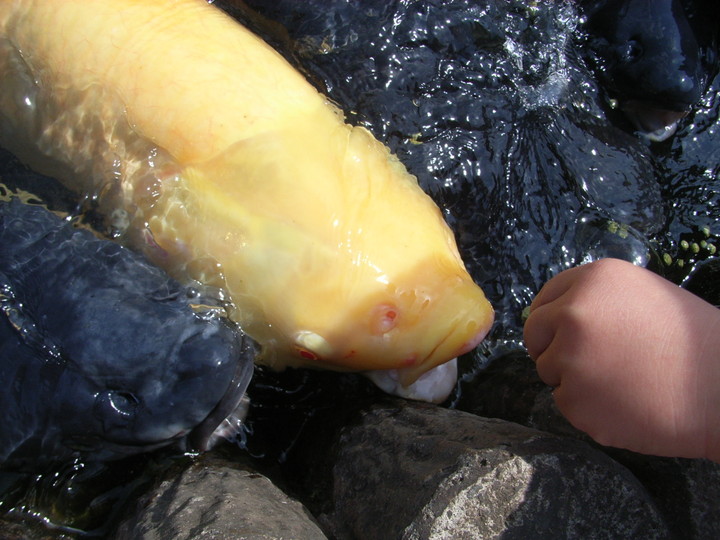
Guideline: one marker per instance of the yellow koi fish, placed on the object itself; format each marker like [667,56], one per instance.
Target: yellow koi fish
[206,149]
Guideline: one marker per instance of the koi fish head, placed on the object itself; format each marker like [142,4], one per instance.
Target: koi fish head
[348,265]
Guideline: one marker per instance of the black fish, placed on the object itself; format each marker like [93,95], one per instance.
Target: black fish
[101,354]
[655,57]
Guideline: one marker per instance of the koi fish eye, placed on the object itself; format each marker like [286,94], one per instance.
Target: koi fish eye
[115,406]
[632,51]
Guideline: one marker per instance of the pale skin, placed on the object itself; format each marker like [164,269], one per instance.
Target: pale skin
[634,359]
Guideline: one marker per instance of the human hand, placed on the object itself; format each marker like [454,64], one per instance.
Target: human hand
[634,359]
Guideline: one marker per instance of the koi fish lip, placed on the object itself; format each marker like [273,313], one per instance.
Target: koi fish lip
[657,123]
[433,385]
[477,339]
[226,417]
[480,334]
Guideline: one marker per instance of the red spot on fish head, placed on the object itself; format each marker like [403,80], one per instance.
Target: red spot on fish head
[410,361]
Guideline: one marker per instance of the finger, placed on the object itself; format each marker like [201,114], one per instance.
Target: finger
[539,330]
[587,414]
[549,365]
[557,286]
[554,340]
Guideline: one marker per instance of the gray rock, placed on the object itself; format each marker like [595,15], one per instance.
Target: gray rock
[24,530]
[421,472]
[686,491]
[213,498]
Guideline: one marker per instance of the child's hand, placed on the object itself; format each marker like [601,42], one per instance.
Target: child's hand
[634,359]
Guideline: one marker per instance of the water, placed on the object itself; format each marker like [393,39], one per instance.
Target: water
[495,110]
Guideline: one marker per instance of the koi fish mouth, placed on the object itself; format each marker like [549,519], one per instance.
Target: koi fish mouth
[435,385]
[653,122]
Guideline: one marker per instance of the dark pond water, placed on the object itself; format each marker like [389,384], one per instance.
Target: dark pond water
[495,108]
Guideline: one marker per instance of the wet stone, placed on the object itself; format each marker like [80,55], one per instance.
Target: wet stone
[214,498]
[22,530]
[478,478]
[686,491]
